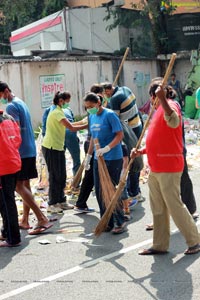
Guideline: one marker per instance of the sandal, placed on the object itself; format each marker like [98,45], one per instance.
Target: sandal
[151,251]
[192,250]
[40,229]
[119,229]
[149,227]
[6,244]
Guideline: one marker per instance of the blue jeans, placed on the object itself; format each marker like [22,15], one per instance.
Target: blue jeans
[133,178]
[133,184]
[114,169]
[72,145]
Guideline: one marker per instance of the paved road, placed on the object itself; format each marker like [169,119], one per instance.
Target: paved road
[105,268]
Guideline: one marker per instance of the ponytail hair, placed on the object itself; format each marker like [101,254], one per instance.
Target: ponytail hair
[59,95]
[56,98]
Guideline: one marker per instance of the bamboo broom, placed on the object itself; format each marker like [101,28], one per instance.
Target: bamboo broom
[107,187]
[78,175]
[106,217]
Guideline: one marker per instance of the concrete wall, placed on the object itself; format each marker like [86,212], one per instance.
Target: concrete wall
[79,75]
[87,30]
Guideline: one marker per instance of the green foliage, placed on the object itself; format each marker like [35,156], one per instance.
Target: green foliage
[79,117]
[150,18]
[37,131]
[140,44]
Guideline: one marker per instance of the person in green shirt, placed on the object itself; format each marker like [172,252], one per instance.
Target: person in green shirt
[197,93]
[54,154]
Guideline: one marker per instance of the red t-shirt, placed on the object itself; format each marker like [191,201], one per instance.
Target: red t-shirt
[10,140]
[164,145]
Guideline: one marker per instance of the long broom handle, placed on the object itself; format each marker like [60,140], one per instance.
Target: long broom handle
[167,73]
[121,65]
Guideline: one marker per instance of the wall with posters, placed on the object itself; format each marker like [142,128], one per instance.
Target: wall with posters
[37,81]
[49,85]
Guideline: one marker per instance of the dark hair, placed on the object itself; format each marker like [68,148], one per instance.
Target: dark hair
[92,97]
[66,95]
[4,86]
[96,88]
[153,86]
[107,85]
[59,95]
[173,74]
[171,93]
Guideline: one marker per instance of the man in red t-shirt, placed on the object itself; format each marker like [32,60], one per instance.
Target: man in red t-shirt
[164,149]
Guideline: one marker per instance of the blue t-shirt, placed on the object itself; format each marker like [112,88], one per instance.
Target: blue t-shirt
[19,111]
[104,127]
[45,116]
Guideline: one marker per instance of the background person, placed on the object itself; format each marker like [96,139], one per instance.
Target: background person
[54,154]
[19,111]
[10,164]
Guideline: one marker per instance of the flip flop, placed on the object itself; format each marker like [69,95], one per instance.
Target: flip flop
[192,250]
[119,229]
[151,251]
[40,229]
[6,244]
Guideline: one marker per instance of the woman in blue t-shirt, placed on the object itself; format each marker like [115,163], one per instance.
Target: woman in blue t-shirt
[104,125]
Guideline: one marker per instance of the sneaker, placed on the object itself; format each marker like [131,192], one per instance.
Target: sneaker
[140,198]
[54,209]
[133,203]
[66,206]
[84,210]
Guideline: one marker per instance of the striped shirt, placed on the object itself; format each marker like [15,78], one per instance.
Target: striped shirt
[123,103]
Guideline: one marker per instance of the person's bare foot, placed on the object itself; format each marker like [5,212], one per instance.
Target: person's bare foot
[24,226]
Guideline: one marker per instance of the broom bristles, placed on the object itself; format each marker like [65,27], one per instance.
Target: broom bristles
[108,213]
[78,176]
[107,187]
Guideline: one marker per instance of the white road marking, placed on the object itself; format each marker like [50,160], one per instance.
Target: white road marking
[77,268]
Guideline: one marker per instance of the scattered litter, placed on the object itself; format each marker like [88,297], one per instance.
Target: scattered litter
[89,234]
[70,230]
[44,242]
[79,240]
[60,239]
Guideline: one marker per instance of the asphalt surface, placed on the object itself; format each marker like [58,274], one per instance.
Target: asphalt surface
[108,267]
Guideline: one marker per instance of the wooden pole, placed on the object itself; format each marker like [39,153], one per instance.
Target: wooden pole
[120,67]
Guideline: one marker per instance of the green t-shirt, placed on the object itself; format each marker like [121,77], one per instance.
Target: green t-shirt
[55,132]
[198,97]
